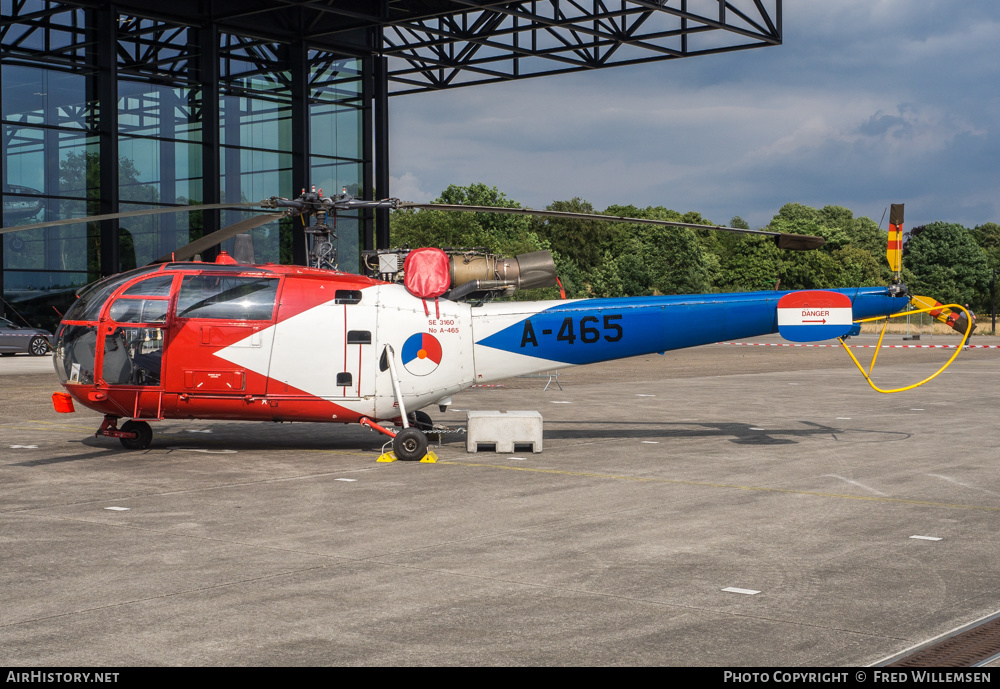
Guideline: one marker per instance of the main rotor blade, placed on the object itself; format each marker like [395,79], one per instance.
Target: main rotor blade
[188,251]
[126,214]
[795,242]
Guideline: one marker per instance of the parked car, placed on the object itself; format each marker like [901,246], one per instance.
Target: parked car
[14,339]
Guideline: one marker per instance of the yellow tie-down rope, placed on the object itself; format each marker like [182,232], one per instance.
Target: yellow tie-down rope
[867,375]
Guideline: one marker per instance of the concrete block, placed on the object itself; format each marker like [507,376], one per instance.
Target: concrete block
[504,429]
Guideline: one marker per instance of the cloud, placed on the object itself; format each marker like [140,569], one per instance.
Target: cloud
[407,187]
[865,103]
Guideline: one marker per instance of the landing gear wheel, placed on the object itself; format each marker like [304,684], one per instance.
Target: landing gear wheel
[421,420]
[144,435]
[410,445]
[38,346]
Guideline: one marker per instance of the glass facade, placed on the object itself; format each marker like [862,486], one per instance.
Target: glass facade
[103,112]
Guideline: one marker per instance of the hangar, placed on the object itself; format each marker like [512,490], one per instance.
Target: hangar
[115,106]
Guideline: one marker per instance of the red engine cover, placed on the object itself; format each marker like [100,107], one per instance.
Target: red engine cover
[426,273]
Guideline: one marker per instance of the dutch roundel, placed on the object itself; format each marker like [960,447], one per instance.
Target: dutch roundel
[813,315]
[421,354]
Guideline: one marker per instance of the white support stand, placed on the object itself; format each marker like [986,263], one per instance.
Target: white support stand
[504,429]
[551,376]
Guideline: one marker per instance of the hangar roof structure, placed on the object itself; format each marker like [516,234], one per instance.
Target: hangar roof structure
[437,44]
[113,106]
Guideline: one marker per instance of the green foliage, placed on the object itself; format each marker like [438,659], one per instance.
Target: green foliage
[748,263]
[860,268]
[504,234]
[606,280]
[585,241]
[987,236]
[596,258]
[947,264]
[660,260]
[852,255]
[497,226]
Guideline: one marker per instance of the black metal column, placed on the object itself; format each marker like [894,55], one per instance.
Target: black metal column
[106,25]
[3,181]
[380,112]
[168,174]
[298,58]
[208,73]
[367,168]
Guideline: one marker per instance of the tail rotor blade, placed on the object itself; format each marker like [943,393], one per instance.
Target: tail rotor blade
[894,251]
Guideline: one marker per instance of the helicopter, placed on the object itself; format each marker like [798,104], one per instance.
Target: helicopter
[183,339]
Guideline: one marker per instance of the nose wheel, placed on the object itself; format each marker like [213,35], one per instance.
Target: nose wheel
[410,445]
[133,435]
[143,435]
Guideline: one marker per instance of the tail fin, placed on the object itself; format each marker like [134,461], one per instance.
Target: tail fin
[894,251]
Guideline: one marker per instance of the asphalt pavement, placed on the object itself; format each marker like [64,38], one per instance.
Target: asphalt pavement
[787,517]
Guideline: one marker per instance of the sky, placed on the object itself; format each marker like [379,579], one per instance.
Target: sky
[865,103]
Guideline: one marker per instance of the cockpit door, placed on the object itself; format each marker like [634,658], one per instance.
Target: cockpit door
[132,342]
[324,345]
[222,329]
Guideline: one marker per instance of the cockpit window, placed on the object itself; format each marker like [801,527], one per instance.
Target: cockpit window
[91,298]
[76,348]
[158,286]
[133,356]
[139,310]
[227,297]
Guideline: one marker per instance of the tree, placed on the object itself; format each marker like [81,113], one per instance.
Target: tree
[850,257]
[582,241]
[987,236]
[500,227]
[606,280]
[748,263]
[507,235]
[503,234]
[660,260]
[947,264]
